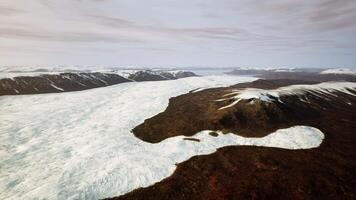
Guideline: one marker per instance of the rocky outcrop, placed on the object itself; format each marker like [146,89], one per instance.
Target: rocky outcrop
[149,75]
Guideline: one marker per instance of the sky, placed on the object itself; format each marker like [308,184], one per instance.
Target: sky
[179,33]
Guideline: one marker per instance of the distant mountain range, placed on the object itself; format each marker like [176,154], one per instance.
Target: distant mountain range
[306,74]
[262,71]
[37,82]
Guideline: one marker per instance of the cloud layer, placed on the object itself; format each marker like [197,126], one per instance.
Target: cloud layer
[178,33]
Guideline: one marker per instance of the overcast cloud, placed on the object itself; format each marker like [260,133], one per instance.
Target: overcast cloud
[215,33]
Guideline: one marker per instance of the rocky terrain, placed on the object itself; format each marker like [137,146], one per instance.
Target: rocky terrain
[254,110]
[252,117]
[37,83]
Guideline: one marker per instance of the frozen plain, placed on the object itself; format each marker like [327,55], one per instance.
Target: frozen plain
[78,145]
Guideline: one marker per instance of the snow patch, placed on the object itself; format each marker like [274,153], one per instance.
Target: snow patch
[56,87]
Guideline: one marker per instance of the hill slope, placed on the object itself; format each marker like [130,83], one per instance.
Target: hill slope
[37,83]
[245,172]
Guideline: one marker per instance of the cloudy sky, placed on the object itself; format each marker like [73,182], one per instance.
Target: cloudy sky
[215,33]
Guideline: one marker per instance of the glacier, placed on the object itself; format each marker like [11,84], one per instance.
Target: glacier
[78,145]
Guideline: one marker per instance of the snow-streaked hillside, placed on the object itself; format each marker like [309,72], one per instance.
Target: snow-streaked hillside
[327,88]
[78,145]
[122,72]
[40,81]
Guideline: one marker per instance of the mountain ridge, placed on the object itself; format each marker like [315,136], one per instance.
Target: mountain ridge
[39,83]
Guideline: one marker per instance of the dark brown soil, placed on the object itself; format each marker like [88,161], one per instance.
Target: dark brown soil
[239,172]
[262,173]
[194,112]
[245,172]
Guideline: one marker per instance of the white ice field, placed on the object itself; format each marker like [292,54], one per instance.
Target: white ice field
[78,145]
